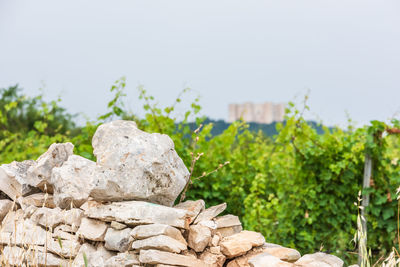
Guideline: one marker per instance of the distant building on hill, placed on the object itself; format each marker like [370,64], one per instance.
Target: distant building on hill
[253,112]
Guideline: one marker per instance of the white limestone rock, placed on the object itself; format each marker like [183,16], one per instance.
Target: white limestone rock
[95,256]
[147,166]
[267,260]
[37,200]
[6,205]
[63,247]
[238,244]
[73,181]
[194,206]
[319,259]
[54,217]
[160,242]
[227,221]
[152,256]
[137,212]
[149,230]
[16,256]
[40,174]
[210,213]
[126,259]
[118,240]
[92,229]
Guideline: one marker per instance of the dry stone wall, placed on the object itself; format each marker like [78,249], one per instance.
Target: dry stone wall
[65,210]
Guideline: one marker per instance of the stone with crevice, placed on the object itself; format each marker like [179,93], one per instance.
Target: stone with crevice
[238,244]
[194,206]
[210,213]
[118,240]
[39,175]
[92,229]
[159,242]
[146,165]
[6,206]
[146,231]
[152,256]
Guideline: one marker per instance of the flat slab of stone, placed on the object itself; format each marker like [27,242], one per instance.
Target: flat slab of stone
[213,259]
[282,253]
[126,259]
[319,258]
[210,213]
[23,232]
[96,256]
[149,230]
[65,248]
[159,242]
[146,165]
[238,244]
[137,212]
[38,200]
[92,229]
[228,231]
[267,260]
[152,256]
[227,221]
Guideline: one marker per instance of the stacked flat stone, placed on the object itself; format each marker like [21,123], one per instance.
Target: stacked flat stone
[65,210]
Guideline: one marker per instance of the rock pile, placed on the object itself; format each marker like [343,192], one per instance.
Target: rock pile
[65,210]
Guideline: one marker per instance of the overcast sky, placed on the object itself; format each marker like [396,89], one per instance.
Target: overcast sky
[345,52]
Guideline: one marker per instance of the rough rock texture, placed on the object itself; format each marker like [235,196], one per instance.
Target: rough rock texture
[5,206]
[40,174]
[267,260]
[37,200]
[199,237]
[210,213]
[194,206]
[147,166]
[73,181]
[320,258]
[118,240]
[152,256]
[160,242]
[146,231]
[125,259]
[17,256]
[239,244]
[92,229]
[138,212]
[13,179]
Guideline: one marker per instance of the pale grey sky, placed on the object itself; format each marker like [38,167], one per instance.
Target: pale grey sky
[346,52]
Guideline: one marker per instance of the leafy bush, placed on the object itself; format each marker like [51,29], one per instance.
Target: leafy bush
[297,188]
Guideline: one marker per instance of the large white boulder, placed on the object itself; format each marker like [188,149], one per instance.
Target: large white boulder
[147,166]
